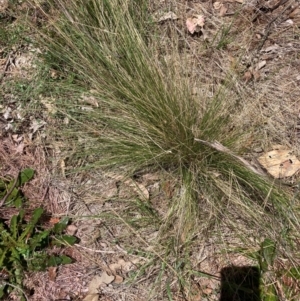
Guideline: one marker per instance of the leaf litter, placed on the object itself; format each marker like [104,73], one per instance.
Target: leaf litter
[280,163]
[195,24]
[168,16]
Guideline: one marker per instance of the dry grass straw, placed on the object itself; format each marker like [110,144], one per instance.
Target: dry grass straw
[145,116]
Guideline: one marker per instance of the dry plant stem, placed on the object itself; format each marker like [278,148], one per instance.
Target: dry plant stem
[219,147]
[10,191]
[95,251]
[8,62]
[268,28]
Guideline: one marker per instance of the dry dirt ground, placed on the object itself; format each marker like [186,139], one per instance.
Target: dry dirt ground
[258,42]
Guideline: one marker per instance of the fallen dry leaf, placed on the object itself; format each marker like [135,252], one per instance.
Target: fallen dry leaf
[295,13]
[247,76]
[91,297]
[138,188]
[36,125]
[17,138]
[52,273]
[54,220]
[53,73]
[105,278]
[71,230]
[7,113]
[49,104]
[99,281]
[223,10]
[195,23]
[207,291]
[280,163]
[261,64]
[256,75]
[217,5]
[222,7]
[270,48]
[89,99]
[122,265]
[118,279]
[3,5]
[20,148]
[278,147]
[168,16]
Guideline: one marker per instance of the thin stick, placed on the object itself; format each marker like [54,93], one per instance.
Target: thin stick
[95,251]
[219,147]
[8,61]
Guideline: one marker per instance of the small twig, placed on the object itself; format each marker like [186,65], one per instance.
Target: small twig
[268,27]
[221,148]
[10,191]
[6,66]
[95,251]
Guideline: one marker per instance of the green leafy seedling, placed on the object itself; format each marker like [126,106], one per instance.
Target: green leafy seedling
[266,257]
[61,225]
[24,245]
[267,254]
[10,189]
[25,176]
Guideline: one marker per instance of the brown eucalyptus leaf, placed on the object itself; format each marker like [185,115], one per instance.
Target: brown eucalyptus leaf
[195,23]
[280,163]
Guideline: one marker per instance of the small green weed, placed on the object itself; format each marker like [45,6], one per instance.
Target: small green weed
[10,193]
[24,245]
[224,39]
[276,280]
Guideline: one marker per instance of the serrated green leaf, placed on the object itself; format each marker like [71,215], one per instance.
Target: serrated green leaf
[61,225]
[14,226]
[13,195]
[269,294]
[38,262]
[37,239]
[2,291]
[2,257]
[65,240]
[26,175]
[18,201]
[37,213]
[15,254]
[268,253]
[66,259]
[23,249]
[58,260]
[21,215]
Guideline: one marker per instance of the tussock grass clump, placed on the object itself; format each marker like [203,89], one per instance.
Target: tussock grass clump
[145,116]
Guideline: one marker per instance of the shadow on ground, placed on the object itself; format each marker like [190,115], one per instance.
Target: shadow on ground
[240,284]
